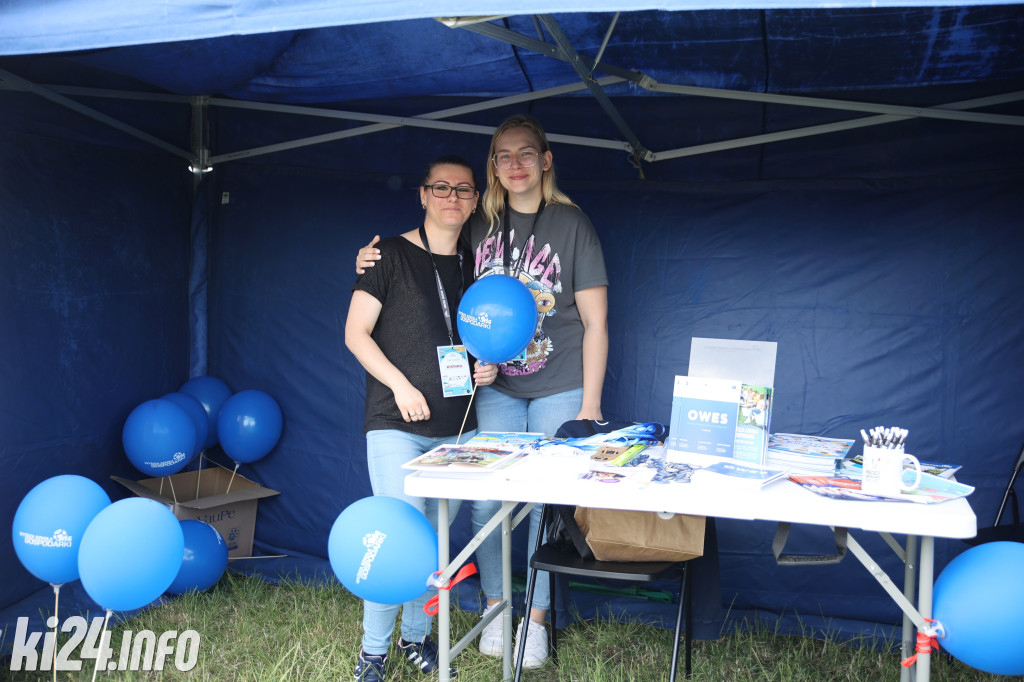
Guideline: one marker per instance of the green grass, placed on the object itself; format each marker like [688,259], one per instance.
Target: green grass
[255,631]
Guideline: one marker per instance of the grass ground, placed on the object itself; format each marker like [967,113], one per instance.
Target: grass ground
[254,631]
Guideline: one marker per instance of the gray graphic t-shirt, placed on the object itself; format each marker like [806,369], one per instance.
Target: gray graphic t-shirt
[554,258]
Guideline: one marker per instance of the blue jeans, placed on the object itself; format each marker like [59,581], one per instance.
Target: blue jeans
[496,411]
[386,451]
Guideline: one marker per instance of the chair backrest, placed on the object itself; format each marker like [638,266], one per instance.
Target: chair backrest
[1010,491]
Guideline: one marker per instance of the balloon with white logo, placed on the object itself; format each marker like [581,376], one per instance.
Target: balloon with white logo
[383,550]
[49,524]
[497,318]
[159,438]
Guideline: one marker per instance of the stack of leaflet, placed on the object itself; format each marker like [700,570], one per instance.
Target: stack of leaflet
[799,454]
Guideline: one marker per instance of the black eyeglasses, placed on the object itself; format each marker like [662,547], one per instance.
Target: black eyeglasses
[526,158]
[443,191]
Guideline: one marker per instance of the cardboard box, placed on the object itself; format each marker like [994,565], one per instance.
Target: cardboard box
[231,511]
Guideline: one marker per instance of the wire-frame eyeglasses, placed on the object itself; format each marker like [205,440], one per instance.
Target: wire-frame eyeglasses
[526,158]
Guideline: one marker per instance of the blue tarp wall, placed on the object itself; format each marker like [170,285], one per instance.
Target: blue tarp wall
[886,263]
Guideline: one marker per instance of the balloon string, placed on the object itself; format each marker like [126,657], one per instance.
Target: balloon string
[103,639]
[161,491]
[173,495]
[464,418]
[56,620]
[230,480]
[200,474]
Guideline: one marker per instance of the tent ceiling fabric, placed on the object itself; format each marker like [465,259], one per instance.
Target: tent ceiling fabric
[31,28]
[772,51]
[713,52]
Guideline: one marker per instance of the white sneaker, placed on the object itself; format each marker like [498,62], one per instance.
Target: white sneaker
[536,651]
[493,633]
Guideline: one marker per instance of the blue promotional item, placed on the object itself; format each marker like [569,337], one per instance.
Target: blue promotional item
[204,560]
[249,425]
[49,524]
[211,393]
[197,413]
[978,600]
[497,318]
[159,438]
[383,550]
[130,554]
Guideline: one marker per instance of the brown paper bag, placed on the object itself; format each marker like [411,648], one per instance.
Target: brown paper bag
[616,535]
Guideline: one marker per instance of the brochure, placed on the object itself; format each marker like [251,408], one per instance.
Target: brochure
[799,453]
[704,416]
[469,457]
[752,423]
[933,489]
[739,473]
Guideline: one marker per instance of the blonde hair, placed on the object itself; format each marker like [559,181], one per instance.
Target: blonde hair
[496,196]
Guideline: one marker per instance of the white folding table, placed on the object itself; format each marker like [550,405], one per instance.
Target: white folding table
[783,501]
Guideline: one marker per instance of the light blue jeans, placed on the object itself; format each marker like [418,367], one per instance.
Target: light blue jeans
[496,411]
[386,451]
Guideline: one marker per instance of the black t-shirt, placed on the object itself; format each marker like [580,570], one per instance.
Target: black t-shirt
[410,328]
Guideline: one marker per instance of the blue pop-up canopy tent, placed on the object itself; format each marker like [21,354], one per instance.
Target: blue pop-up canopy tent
[183,188]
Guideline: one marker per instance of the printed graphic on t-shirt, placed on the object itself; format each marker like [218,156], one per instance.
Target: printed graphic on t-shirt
[540,270]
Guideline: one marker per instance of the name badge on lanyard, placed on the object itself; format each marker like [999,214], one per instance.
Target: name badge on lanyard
[456,379]
[453,361]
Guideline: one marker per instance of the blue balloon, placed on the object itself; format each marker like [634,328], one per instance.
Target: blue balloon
[50,522]
[497,318]
[211,393]
[383,550]
[130,553]
[159,438]
[249,425]
[978,599]
[204,561]
[197,413]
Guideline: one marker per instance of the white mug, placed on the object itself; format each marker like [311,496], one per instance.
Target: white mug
[884,469]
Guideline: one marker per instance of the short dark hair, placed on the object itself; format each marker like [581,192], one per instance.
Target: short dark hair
[450,160]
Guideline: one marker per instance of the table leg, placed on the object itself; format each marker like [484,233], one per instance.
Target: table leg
[910,566]
[506,594]
[924,603]
[443,602]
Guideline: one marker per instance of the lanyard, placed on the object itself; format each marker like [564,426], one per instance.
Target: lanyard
[504,239]
[440,285]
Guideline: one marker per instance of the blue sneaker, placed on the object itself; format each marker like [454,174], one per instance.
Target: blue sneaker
[423,655]
[370,668]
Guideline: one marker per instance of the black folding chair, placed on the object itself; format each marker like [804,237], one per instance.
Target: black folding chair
[1014,531]
[563,558]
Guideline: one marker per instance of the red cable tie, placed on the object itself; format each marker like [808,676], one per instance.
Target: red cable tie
[433,604]
[925,642]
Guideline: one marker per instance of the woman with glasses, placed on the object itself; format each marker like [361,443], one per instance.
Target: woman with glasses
[531,230]
[401,327]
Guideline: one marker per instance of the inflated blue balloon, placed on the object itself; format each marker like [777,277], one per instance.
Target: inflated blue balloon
[130,553]
[383,550]
[497,318]
[978,599]
[197,413]
[249,425]
[49,524]
[204,561]
[211,393]
[159,438]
